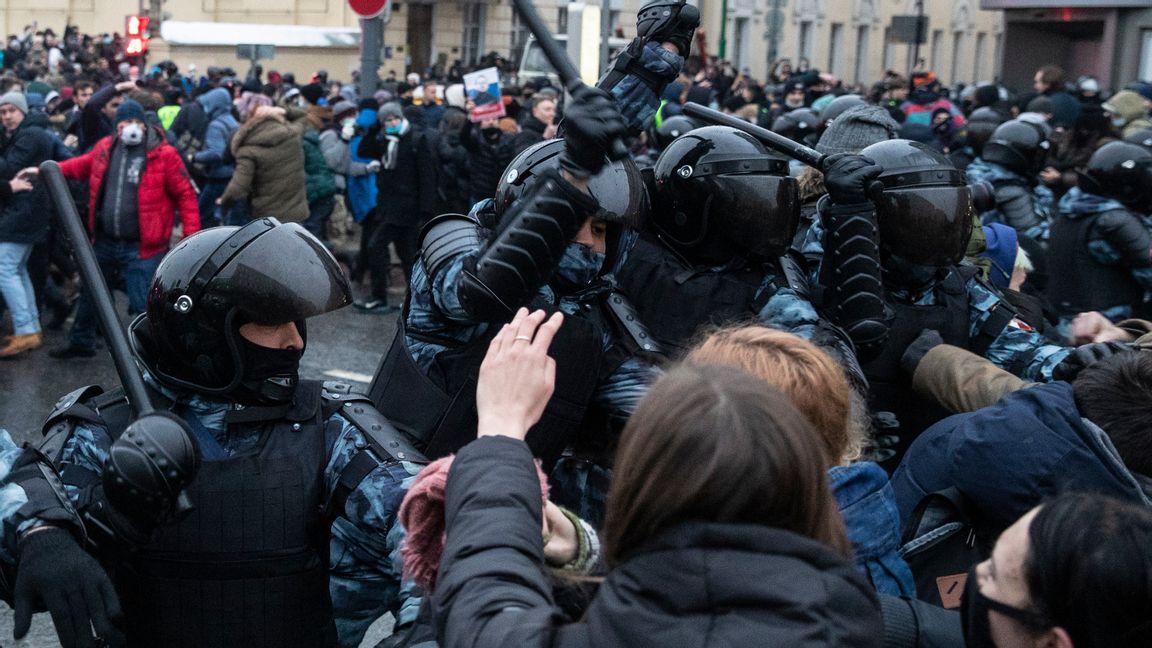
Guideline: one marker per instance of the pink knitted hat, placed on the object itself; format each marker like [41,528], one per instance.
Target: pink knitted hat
[422,514]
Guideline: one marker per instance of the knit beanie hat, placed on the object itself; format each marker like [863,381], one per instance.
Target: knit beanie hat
[16,99]
[369,104]
[129,110]
[343,108]
[856,129]
[313,92]
[1001,251]
[390,109]
[422,515]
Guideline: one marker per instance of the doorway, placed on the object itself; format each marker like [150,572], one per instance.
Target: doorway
[419,36]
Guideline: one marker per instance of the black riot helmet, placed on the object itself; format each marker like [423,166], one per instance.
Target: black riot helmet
[1019,146]
[719,194]
[839,106]
[1122,171]
[220,278]
[619,188]
[981,124]
[925,211]
[1142,137]
[796,124]
[671,128]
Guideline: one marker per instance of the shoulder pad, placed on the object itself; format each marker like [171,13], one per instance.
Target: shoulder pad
[794,275]
[446,236]
[386,441]
[629,320]
[72,405]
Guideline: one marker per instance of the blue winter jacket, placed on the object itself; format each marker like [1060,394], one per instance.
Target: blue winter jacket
[217,106]
[868,505]
[1010,457]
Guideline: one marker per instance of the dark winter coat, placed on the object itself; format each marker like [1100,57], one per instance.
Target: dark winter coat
[406,195]
[1009,457]
[165,190]
[24,218]
[489,158]
[269,169]
[696,584]
[320,183]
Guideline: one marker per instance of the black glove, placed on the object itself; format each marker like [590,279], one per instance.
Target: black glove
[1083,356]
[849,178]
[666,21]
[592,123]
[928,340]
[53,572]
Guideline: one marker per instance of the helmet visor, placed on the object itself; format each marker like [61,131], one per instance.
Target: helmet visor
[926,225]
[284,275]
[758,213]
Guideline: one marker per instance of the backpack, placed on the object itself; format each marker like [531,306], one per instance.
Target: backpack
[941,543]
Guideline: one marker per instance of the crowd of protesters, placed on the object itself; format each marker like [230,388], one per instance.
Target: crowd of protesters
[760,490]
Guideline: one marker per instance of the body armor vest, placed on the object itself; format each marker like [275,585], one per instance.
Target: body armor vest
[249,565]
[897,408]
[1084,284]
[676,300]
[439,409]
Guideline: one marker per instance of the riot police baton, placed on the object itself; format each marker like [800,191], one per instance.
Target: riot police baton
[774,141]
[569,76]
[156,456]
[97,288]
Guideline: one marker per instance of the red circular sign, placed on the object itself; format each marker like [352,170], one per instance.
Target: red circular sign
[368,8]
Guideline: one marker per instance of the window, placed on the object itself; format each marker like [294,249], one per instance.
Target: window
[957,55]
[805,42]
[473,45]
[562,20]
[740,43]
[517,38]
[937,50]
[980,65]
[836,49]
[889,50]
[861,71]
[1146,54]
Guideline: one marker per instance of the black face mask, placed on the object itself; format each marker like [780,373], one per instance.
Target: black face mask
[270,375]
[974,613]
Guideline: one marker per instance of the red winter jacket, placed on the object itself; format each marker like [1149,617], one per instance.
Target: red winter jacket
[164,190]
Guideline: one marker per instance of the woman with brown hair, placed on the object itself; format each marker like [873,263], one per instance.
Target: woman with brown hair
[818,388]
[720,531]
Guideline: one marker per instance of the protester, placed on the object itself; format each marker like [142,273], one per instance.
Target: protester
[137,186]
[758,520]
[269,172]
[23,222]
[1073,571]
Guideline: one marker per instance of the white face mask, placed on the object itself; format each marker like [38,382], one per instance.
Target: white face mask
[132,134]
[347,129]
[1119,122]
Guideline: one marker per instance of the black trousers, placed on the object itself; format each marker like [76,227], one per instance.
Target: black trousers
[406,239]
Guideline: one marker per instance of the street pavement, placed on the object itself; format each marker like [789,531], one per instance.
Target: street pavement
[344,345]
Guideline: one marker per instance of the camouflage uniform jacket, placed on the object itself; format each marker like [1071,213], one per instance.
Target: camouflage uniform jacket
[365,565]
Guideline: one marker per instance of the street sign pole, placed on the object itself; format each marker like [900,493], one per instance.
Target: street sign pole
[374,14]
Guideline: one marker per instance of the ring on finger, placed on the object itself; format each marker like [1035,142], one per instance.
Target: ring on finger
[522,337]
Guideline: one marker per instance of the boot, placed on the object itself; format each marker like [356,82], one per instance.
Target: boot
[18,344]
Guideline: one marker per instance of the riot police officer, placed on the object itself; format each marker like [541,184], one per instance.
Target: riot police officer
[724,213]
[294,484]
[925,215]
[1010,161]
[1100,248]
[562,219]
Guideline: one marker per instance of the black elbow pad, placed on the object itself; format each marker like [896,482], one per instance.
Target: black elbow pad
[521,256]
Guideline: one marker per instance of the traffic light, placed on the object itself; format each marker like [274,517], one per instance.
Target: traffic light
[136,35]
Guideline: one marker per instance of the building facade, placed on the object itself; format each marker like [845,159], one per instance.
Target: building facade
[1108,39]
[852,39]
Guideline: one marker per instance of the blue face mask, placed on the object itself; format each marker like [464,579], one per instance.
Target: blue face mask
[580,265]
[395,128]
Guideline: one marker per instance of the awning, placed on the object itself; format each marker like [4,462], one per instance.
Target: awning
[176,32]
